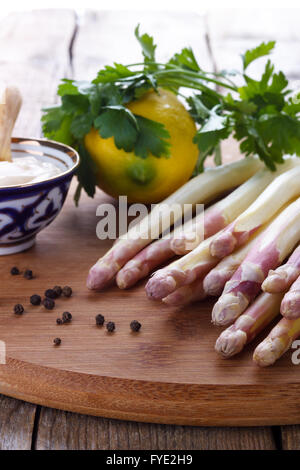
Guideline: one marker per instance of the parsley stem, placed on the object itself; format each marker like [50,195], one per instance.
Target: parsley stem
[196,76]
[202,76]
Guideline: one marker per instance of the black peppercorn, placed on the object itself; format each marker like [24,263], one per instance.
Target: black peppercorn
[35,299]
[57,290]
[50,293]
[59,321]
[100,319]
[48,303]
[57,341]
[110,326]
[14,271]
[66,317]
[19,309]
[135,325]
[28,274]
[67,291]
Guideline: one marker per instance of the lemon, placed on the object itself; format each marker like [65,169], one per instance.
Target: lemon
[151,179]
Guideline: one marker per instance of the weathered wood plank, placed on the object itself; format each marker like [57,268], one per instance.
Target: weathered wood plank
[290,436]
[16,424]
[107,37]
[34,51]
[59,430]
[232,31]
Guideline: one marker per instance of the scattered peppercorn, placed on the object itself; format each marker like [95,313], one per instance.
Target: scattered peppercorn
[100,319]
[57,341]
[66,317]
[19,309]
[14,271]
[135,325]
[48,303]
[59,321]
[67,291]
[110,326]
[50,294]
[35,299]
[28,274]
[57,290]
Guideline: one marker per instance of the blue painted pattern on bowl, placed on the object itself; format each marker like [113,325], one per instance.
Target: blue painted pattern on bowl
[26,209]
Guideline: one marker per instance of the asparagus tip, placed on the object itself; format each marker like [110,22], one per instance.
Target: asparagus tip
[230,342]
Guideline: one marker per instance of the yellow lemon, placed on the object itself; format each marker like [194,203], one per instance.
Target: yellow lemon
[151,179]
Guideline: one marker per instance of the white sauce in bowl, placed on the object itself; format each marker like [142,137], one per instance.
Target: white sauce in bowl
[26,170]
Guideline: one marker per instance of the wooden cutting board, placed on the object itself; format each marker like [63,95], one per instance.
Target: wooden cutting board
[166,373]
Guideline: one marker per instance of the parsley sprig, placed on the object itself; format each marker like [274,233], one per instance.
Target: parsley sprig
[262,115]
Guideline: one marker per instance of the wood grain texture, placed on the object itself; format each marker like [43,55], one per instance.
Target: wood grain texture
[16,424]
[136,433]
[290,436]
[125,375]
[108,36]
[34,49]
[59,430]
[248,28]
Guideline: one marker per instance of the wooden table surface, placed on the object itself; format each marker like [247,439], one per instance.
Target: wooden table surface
[36,50]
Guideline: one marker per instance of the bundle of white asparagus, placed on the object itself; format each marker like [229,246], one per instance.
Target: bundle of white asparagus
[234,251]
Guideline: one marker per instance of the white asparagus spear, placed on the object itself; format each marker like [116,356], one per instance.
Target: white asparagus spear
[271,249]
[182,241]
[201,189]
[216,279]
[282,190]
[181,272]
[227,209]
[281,279]
[186,295]
[187,269]
[290,306]
[277,342]
[263,310]
[10,105]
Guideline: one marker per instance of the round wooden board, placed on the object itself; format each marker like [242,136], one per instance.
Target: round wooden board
[167,373]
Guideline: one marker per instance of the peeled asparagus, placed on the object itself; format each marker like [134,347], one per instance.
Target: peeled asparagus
[200,189]
[186,295]
[264,309]
[283,277]
[144,262]
[223,212]
[181,272]
[284,188]
[269,252]
[277,342]
[216,279]
[203,226]
[290,307]
[10,105]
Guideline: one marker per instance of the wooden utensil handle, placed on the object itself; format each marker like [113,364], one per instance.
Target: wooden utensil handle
[9,109]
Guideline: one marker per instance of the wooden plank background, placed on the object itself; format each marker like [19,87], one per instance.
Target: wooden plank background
[36,49]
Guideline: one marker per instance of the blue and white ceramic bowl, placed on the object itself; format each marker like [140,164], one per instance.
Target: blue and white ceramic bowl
[28,208]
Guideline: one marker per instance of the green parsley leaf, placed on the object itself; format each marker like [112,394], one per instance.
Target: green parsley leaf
[118,122]
[81,125]
[56,125]
[152,138]
[113,73]
[86,173]
[209,136]
[260,51]
[185,59]
[75,103]
[67,87]
[147,43]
